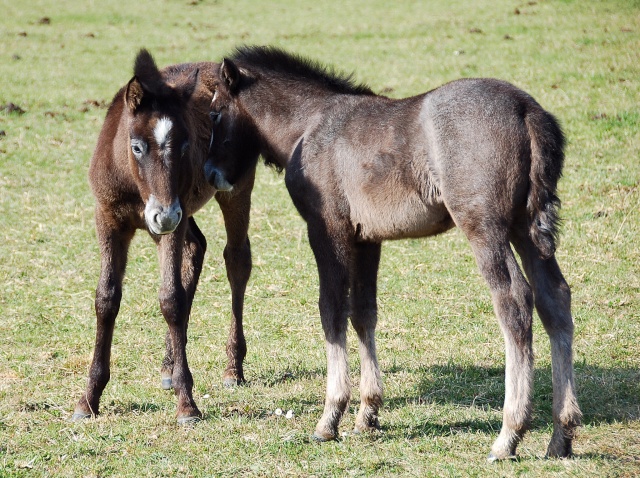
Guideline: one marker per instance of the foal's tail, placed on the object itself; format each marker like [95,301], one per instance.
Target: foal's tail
[547,158]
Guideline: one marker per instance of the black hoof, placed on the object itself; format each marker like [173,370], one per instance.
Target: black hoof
[559,448]
[167,384]
[561,455]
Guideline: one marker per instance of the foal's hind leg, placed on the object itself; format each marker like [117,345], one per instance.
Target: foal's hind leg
[114,243]
[364,272]
[513,303]
[237,259]
[553,303]
[193,251]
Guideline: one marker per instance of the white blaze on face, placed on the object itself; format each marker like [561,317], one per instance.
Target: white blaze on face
[162,133]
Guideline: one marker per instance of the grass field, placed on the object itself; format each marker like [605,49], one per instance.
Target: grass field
[440,349]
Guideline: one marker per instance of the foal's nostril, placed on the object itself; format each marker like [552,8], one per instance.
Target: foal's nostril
[162,219]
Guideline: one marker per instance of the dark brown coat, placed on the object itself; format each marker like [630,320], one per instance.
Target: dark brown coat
[147,173]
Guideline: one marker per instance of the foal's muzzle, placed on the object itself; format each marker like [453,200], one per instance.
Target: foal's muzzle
[216,178]
[162,219]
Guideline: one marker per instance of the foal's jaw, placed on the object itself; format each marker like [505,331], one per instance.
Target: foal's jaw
[162,219]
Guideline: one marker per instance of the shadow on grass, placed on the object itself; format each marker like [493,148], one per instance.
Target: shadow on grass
[605,395]
[276,377]
[128,408]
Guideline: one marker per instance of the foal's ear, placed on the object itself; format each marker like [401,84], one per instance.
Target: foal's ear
[134,94]
[230,74]
[147,78]
[148,74]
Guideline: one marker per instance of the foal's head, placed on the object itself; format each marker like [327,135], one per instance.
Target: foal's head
[159,141]
[235,141]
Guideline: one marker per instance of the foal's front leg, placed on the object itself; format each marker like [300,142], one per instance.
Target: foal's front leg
[114,242]
[237,258]
[364,317]
[332,260]
[195,245]
[175,306]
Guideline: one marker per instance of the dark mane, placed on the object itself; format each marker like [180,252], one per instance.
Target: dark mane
[275,60]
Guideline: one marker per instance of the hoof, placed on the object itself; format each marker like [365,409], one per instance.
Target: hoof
[367,431]
[491,458]
[231,382]
[322,438]
[79,416]
[559,449]
[186,421]
[167,383]
[370,426]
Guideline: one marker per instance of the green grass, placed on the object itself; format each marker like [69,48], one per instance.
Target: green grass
[440,349]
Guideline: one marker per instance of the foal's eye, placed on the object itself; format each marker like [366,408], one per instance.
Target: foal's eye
[138,148]
[216,117]
[184,148]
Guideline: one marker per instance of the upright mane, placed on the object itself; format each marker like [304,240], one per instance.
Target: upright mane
[274,60]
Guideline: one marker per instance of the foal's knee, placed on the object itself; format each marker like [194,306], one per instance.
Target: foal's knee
[196,251]
[173,304]
[364,320]
[107,302]
[198,236]
[238,262]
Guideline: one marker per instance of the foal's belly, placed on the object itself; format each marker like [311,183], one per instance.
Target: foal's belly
[398,216]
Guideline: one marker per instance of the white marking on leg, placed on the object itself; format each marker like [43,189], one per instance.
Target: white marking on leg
[338,384]
[370,381]
[338,389]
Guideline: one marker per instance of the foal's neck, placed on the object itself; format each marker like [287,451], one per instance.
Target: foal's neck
[285,117]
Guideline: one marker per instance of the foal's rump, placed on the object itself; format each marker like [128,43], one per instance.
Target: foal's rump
[496,155]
